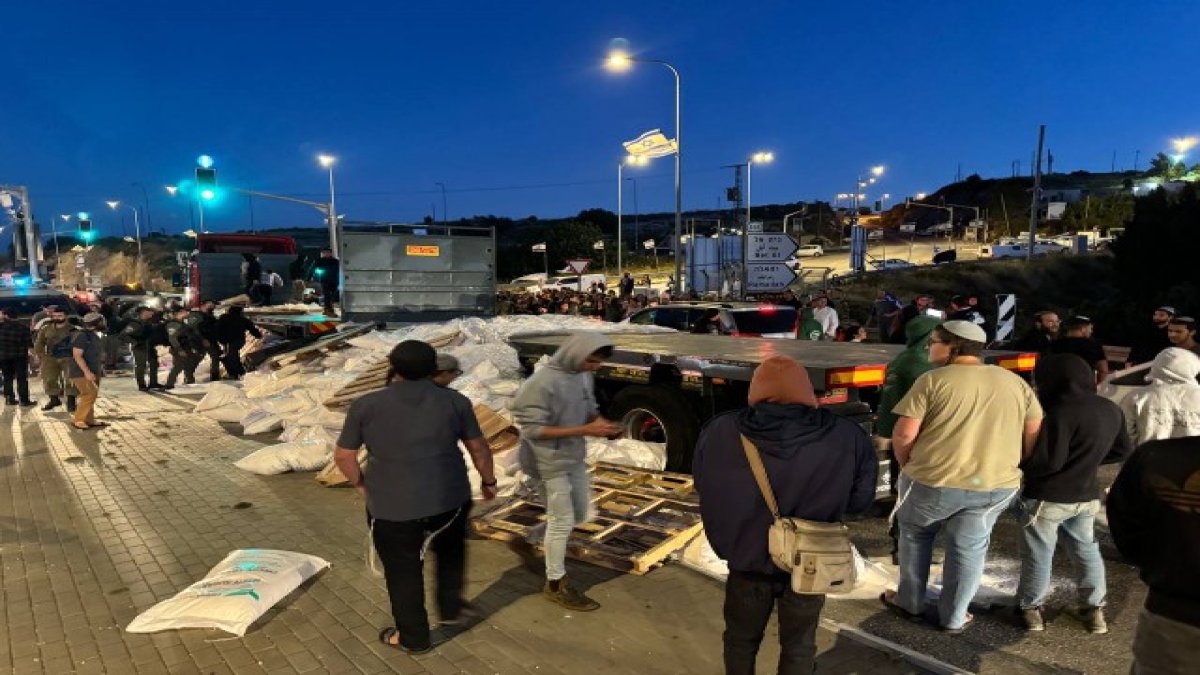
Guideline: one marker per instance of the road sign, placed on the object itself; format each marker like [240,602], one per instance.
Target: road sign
[754,226]
[769,277]
[772,247]
[578,266]
[80,261]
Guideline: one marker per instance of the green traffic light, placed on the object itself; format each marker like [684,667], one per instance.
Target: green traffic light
[87,236]
[208,194]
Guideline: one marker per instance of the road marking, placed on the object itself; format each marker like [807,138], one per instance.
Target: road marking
[916,658]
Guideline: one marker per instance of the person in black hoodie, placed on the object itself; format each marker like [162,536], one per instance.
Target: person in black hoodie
[820,467]
[1154,517]
[1081,431]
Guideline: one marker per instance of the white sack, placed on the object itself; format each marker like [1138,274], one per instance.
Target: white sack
[219,394]
[700,556]
[627,452]
[304,455]
[259,421]
[230,412]
[317,415]
[306,433]
[234,594]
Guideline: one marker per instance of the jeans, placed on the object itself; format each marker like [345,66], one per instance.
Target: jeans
[1162,646]
[16,371]
[145,361]
[749,599]
[1043,523]
[399,545]
[968,517]
[568,501]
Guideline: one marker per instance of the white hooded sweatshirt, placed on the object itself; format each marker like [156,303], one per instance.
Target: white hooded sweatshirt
[1169,407]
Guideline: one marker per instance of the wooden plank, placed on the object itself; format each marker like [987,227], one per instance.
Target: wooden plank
[321,343]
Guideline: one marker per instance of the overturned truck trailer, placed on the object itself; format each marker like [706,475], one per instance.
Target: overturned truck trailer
[413,273]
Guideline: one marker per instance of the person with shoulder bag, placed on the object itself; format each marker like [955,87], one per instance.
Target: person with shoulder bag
[775,480]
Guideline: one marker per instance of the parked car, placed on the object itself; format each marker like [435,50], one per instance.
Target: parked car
[1019,250]
[874,235]
[738,319]
[891,264]
[26,302]
[810,251]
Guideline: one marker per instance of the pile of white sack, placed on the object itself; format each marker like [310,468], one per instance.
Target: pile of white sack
[291,400]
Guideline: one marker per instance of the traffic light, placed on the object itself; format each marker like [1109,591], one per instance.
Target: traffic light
[206,182]
[878,205]
[85,230]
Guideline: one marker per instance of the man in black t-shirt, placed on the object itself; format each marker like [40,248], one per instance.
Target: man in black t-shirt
[1153,338]
[1075,337]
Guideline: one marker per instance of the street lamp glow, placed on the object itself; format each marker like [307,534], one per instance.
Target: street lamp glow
[326,161]
[82,215]
[66,217]
[637,160]
[762,157]
[113,205]
[877,170]
[172,189]
[204,161]
[1183,145]
[618,62]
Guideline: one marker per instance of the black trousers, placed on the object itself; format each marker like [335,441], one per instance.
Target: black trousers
[399,546]
[232,360]
[145,361]
[183,362]
[329,295]
[16,370]
[749,599]
[214,361]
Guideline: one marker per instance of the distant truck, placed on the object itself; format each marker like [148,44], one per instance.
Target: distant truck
[214,269]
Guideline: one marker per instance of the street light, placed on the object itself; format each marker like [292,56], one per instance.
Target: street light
[619,61]
[327,161]
[137,230]
[759,158]
[631,160]
[172,189]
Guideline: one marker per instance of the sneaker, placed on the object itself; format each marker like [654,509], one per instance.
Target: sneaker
[561,593]
[1093,620]
[1032,620]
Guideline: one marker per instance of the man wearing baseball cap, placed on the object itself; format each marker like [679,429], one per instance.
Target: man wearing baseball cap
[87,367]
[960,436]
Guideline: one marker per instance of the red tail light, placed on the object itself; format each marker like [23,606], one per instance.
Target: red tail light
[856,376]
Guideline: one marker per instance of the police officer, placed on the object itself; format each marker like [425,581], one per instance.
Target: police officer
[53,347]
[205,324]
[186,348]
[138,333]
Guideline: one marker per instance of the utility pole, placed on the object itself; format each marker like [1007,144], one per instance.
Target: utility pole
[21,192]
[1037,193]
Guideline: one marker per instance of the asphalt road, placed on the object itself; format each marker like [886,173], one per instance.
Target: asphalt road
[994,643]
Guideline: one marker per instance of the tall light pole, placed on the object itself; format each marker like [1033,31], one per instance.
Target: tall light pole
[137,231]
[619,61]
[760,158]
[327,161]
[632,160]
[445,217]
[66,217]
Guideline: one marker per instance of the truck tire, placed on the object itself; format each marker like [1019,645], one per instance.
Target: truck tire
[659,414]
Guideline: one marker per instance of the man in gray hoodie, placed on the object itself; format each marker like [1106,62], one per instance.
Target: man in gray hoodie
[556,410]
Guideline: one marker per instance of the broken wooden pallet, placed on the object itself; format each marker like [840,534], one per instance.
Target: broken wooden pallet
[641,517]
[320,345]
[375,376]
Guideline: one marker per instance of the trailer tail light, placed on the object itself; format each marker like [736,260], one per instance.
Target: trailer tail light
[857,376]
[1021,363]
[832,396]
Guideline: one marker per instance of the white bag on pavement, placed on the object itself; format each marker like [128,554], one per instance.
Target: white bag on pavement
[234,411]
[259,421]
[305,455]
[219,394]
[234,594]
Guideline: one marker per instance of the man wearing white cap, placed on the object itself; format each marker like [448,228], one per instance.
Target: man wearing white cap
[962,431]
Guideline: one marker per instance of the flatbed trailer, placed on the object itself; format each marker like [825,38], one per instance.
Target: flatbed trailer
[294,326]
[663,387]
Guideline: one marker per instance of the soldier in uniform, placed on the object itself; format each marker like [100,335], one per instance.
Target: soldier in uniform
[138,333]
[53,347]
[186,348]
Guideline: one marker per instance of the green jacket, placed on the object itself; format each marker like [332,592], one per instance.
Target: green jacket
[904,370]
[50,335]
[810,328]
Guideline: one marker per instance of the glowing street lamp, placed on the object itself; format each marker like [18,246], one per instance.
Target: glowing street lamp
[137,230]
[327,162]
[619,61]
[756,158]
[1183,145]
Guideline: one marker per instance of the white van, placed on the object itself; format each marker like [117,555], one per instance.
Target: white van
[573,282]
[1020,250]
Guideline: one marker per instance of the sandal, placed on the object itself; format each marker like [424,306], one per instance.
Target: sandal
[97,425]
[385,636]
[960,629]
[888,600]
[77,427]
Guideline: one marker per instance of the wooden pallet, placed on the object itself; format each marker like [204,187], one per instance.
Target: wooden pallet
[320,346]
[375,376]
[641,518]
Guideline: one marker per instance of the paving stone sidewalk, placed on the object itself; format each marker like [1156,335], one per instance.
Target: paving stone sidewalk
[98,526]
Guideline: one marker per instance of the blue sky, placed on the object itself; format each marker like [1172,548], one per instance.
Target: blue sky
[509,106]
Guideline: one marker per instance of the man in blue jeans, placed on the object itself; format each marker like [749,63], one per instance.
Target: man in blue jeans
[557,410]
[962,431]
[1061,497]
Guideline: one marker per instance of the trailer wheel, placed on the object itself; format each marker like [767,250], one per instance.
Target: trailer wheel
[659,414]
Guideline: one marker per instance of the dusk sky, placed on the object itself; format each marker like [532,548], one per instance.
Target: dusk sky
[509,106]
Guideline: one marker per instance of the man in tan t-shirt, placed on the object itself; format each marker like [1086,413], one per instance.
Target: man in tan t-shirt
[962,431]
